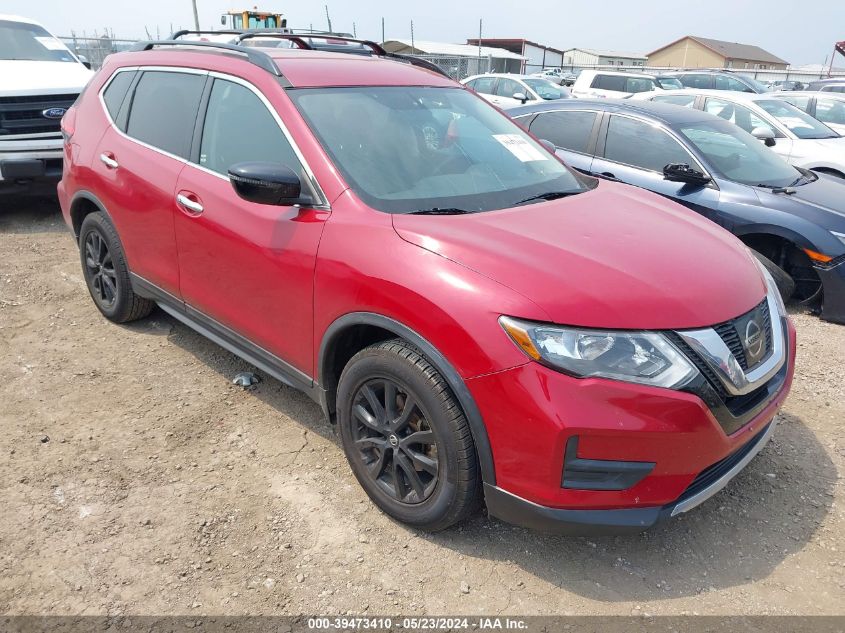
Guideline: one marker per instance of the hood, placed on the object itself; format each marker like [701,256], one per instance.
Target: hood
[821,202]
[820,151]
[26,77]
[614,257]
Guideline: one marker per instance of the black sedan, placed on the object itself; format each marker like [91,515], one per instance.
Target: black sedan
[794,218]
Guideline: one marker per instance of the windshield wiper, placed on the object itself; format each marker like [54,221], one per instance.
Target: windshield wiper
[550,195]
[440,211]
[774,189]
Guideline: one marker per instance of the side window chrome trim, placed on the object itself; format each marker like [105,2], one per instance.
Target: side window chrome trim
[323,204]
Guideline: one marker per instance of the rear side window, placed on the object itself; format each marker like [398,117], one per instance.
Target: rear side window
[697,81]
[833,89]
[830,111]
[567,130]
[485,85]
[722,82]
[115,92]
[238,127]
[609,82]
[640,144]
[164,110]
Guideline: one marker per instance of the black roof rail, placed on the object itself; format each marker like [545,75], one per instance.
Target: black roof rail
[376,49]
[177,34]
[254,55]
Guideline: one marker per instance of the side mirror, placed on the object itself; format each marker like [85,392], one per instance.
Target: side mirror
[223,20]
[84,61]
[681,172]
[267,183]
[521,96]
[764,134]
[548,145]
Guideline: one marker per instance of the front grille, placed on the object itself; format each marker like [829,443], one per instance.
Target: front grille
[22,114]
[718,470]
[703,367]
[727,331]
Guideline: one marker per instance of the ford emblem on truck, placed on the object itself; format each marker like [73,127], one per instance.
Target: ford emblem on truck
[53,113]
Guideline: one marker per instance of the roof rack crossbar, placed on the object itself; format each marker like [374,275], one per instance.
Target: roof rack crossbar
[296,39]
[255,56]
[177,34]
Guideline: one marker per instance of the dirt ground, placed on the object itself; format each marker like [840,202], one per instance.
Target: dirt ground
[137,479]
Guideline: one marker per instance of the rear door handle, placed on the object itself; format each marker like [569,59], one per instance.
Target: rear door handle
[608,175]
[107,158]
[190,202]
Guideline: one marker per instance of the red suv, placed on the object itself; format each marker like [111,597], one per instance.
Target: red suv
[479,320]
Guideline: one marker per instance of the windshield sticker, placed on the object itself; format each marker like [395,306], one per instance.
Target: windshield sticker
[50,43]
[520,147]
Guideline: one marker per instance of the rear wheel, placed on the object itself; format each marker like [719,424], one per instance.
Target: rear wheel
[406,438]
[106,273]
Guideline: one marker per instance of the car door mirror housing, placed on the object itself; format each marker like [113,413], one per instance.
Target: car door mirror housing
[681,172]
[548,145]
[267,183]
[521,96]
[764,134]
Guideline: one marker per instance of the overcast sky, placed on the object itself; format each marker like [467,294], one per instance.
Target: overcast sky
[799,32]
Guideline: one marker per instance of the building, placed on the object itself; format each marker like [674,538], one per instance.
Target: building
[448,56]
[593,57]
[536,56]
[700,52]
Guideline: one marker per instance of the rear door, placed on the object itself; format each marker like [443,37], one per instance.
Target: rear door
[139,159]
[486,87]
[635,151]
[573,133]
[248,267]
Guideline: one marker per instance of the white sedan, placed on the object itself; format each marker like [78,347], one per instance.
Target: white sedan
[792,133]
[508,90]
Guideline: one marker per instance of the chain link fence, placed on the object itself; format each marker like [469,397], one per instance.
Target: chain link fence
[96,49]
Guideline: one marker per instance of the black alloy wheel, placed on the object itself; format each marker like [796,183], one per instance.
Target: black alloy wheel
[100,268]
[394,440]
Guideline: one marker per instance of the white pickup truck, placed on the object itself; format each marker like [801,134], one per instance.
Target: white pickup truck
[40,79]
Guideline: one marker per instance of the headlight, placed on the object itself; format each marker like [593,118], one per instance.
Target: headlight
[643,357]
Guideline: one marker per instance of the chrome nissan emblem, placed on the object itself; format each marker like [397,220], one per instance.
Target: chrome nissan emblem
[753,338]
[394,441]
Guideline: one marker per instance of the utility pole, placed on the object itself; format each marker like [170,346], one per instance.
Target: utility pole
[196,15]
[413,48]
[382,31]
[328,19]
[354,31]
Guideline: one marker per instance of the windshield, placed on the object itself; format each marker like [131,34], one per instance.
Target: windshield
[19,40]
[405,149]
[546,89]
[670,83]
[799,123]
[738,156]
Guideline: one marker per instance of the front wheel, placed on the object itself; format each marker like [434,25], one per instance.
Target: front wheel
[783,280]
[406,438]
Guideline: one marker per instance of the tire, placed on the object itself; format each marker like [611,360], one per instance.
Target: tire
[784,282]
[380,440]
[106,273]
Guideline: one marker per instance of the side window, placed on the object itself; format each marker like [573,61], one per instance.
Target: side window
[238,127]
[830,111]
[485,85]
[837,89]
[508,88]
[639,84]
[736,114]
[697,81]
[164,110]
[610,82]
[798,102]
[721,82]
[687,101]
[640,144]
[567,130]
[115,92]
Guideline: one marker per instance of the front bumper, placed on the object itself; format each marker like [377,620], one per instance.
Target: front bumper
[37,161]
[531,412]
[514,509]
[833,288]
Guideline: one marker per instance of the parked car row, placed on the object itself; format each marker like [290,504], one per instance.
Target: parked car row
[468,309]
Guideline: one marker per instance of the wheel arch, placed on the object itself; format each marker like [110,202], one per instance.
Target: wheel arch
[82,204]
[354,331]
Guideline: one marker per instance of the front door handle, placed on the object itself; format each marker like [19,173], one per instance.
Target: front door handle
[608,175]
[107,158]
[194,206]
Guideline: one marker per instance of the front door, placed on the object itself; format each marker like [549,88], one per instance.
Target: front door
[248,266]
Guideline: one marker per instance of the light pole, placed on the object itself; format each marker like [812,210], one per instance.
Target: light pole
[196,15]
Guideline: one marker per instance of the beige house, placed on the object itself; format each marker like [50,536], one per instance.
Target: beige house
[701,52]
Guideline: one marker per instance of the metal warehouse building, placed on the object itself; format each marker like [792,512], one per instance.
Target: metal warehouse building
[593,57]
[536,56]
